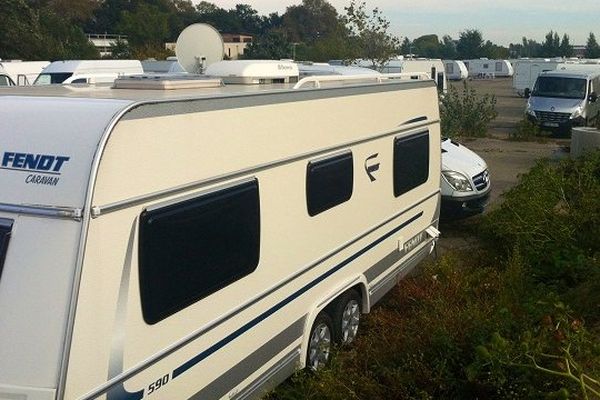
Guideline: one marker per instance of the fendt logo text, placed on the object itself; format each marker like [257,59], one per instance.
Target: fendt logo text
[43,169]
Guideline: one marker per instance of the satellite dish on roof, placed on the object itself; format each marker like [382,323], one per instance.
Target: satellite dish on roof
[198,46]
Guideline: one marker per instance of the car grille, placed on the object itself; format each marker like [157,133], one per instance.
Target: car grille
[549,116]
[482,180]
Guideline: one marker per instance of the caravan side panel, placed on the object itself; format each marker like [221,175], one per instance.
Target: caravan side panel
[253,328]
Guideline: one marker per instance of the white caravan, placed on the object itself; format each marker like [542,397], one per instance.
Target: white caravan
[88,71]
[20,73]
[456,70]
[434,68]
[485,68]
[204,243]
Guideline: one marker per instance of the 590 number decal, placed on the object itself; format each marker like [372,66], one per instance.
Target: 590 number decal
[158,384]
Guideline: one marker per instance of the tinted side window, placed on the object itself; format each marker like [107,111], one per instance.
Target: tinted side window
[329,183]
[194,248]
[5,230]
[411,162]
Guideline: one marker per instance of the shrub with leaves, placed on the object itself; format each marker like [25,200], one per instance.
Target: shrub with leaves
[525,130]
[553,218]
[465,113]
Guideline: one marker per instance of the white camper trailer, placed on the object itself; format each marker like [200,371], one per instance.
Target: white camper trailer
[434,68]
[204,242]
[88,71]
[455,70]
[485,68]
[19,72]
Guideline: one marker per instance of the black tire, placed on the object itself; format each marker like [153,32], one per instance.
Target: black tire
[346,317]
[320,342]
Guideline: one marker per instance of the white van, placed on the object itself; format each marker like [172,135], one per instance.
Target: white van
[204,242]
[88,71]
[465,184]
[565,98]
[20,73]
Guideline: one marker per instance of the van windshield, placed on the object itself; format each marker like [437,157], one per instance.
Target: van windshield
[52,78]
[6,81]
[554,86]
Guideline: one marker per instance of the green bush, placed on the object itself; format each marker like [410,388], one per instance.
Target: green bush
[525,130]
[465,113]
[553,218]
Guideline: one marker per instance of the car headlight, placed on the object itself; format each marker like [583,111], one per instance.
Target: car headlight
[577,113]
[458,181]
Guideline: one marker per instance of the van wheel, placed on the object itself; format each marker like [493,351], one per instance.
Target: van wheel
[347,317]
[320,342]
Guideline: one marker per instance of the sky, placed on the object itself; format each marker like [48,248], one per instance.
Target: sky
[502,22]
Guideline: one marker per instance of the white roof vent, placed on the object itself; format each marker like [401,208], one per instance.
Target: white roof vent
[166,82]
[254,71]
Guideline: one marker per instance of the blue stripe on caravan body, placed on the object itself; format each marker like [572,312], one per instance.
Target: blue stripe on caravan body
[198,358]
[118,392]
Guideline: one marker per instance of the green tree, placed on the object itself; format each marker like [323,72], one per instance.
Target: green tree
[24,39]
[271,46]
[427,46]
[592,49]
[145,26]
[551,45]
[448,48]
[470,44]
[373,40]
[310,21]
[565,50]
[406,47]
[63,39]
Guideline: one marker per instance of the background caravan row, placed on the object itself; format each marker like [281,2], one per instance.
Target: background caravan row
[203,243]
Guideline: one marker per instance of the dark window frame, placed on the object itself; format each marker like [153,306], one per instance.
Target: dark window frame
[5,234]
[401,186]
[318,201]
[187,232]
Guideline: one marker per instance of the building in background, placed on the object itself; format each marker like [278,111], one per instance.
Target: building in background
[104,41]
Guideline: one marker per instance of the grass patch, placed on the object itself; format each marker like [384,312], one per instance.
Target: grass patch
[518,318]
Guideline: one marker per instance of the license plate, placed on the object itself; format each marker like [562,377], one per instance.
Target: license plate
[550,124]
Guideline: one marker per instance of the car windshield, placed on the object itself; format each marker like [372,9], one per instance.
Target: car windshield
[52,78]
[6,81]
[554,86]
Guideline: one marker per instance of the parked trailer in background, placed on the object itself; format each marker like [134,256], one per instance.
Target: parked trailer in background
[204,242]
[20,73]
[88,71]
[455,70]
[485,68]
[434,68]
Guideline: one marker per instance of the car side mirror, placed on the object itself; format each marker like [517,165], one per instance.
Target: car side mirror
[527,93]
[593,97]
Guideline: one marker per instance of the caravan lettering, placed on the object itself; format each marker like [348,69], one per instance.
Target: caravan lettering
[34,162]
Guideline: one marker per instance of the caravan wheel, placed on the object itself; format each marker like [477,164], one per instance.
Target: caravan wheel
[347,317]
[319,344]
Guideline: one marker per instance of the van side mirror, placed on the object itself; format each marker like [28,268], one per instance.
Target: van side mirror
[527,93]
[593,97]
